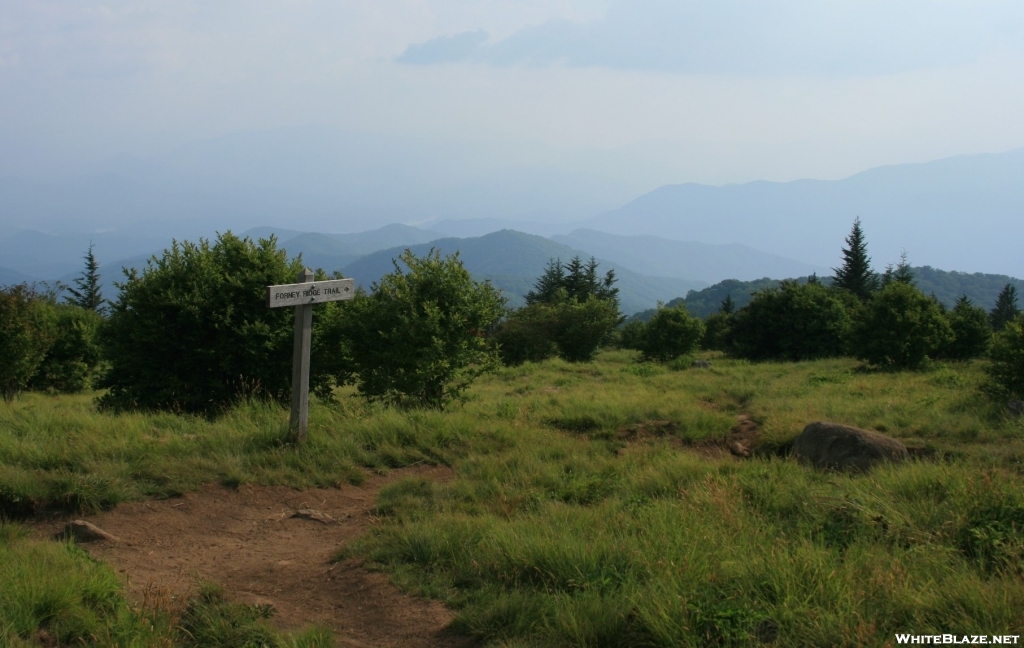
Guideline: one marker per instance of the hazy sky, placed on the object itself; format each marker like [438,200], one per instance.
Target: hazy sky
[645,91]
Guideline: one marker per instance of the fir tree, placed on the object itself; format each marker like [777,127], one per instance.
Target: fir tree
[728,306]
[902,273]
[1005,309]
[575,279]
[856,275]
[88,294]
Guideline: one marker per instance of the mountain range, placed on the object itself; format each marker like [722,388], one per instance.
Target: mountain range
[965,212]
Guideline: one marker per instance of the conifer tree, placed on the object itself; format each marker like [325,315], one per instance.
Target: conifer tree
[88,294]
[902,273]
[1005,309]
[856,275]
[728,306]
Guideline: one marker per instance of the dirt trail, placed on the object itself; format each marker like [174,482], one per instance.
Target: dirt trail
[246,541]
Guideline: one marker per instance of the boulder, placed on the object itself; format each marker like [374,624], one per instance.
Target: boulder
[701,364]
[841,447]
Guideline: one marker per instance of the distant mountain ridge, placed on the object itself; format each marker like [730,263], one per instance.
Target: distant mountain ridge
[657,256]
[962,212]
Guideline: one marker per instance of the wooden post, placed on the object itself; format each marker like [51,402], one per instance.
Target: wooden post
[300,365]
[302,296]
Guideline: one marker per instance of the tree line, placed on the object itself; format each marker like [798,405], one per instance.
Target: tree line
[192,333]
[884,319]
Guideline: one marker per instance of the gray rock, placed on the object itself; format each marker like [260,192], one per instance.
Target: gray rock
[1016,407]
[701,364]
[841,447]
[82,531]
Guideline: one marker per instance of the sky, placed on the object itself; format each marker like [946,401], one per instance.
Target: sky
[647,92]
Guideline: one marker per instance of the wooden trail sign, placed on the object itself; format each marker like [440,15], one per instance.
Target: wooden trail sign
[302,296]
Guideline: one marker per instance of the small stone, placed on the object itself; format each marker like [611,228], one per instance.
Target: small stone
[701,364]
[738,448]
[82,531]
[1016,407]
[313,514]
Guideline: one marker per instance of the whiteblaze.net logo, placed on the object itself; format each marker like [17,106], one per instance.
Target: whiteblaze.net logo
[956,639]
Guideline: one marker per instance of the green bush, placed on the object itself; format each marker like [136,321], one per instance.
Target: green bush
[524,335]
[1006,370]
[972,334]
[631,334]
[717,332]
[420,335]
[193,332]
[671,333]
[791,322]
[581,327]
[900,328]
[72,359]
[26,333]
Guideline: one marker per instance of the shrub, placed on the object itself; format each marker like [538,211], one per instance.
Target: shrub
[581,327]
[671,333]
[900,328]
[72,358]
[419,335]
[524,335]
[717,332]
[631,334]
[26,333]
[791,322]
[193,332]
[1006,370]
[972,334]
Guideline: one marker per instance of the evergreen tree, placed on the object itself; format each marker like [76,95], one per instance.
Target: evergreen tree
[728,306]
[1005,309]
[856,275]
[971,332]
[88,295]
[574,280]
[902,273]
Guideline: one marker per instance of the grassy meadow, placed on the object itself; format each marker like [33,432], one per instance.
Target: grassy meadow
[592,505]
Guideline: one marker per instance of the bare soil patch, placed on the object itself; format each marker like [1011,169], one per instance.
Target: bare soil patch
[247,541]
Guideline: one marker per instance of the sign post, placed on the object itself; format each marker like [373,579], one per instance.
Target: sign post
[302,296]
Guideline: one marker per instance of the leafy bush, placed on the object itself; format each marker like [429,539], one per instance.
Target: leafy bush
[631,334]
[72,358]
[26,333]
[524,335]
[420,334]
[791,322]
[193,332]
[671,333]
[717,332]
[900,328]
[581,327]
[1007,368]
[972,334]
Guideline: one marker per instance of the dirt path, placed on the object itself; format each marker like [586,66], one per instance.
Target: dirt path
[246,541]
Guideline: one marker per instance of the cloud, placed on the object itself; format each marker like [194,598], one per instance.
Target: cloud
[446,49]
[838,38]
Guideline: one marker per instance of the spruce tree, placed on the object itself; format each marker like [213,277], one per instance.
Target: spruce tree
[1005,309]
[728,306]
[856,275]
[88,294]
[902,273]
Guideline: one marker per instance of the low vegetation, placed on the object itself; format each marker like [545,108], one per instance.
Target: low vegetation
[590,506]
